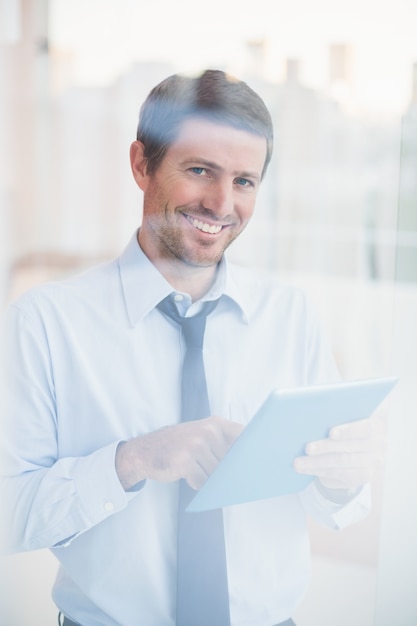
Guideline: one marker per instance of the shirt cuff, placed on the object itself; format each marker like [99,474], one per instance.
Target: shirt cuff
[98,486]
[338,496]
[333,514]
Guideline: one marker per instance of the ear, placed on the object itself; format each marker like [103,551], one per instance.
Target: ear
[138,164]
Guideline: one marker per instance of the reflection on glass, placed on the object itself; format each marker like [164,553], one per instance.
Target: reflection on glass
[326,219]
[398,548]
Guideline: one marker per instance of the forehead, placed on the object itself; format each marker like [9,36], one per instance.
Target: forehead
[220,143]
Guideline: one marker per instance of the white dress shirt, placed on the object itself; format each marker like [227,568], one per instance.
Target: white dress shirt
[90,363]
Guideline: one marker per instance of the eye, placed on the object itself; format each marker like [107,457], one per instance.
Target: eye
[244,182]
[198,170]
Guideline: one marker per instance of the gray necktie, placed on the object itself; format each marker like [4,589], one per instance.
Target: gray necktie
[202,591]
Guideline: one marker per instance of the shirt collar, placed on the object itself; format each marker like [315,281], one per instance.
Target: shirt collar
[144,286]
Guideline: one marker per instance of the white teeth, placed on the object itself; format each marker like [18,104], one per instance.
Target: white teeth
[206,228]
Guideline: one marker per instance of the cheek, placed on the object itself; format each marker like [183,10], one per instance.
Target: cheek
[185,192]
[176,193]
[156,199]
[246,209]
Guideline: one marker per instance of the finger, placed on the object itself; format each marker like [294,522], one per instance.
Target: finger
[201,469]
[370,437]
[228,429]
[195,476]
[372,428]
[328,446]
[329,463]
[349,479]
[210,449]
[309,464]
[232,431]
[220,434]
[360,429]
[338,471]
[208,462]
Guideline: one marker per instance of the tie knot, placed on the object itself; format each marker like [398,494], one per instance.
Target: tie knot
[192,327]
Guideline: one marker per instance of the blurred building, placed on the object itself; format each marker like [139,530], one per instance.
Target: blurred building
[407,215]
[329,204]
[341,73]
[333,182]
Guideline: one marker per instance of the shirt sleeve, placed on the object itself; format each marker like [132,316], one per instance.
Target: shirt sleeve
[47,500]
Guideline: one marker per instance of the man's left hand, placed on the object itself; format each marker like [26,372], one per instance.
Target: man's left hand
[347,458]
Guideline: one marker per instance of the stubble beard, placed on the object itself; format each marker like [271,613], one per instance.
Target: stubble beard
[173,247]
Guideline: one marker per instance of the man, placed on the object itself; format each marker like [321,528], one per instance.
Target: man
[97,448]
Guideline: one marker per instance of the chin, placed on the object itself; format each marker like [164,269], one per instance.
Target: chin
[202,263]
[206,256]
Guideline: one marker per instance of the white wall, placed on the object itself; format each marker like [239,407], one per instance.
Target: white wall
[397,572]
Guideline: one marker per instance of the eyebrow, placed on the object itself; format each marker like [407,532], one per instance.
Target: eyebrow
[215,166]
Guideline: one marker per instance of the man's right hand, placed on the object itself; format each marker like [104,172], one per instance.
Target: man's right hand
[189,450]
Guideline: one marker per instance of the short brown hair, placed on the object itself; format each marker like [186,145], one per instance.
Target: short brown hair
[214,95]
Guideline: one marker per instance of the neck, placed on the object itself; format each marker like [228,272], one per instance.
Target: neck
[194,280]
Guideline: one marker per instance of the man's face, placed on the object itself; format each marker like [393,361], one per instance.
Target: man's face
[203,193]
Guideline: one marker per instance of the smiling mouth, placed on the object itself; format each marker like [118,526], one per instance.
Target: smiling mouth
[204,227]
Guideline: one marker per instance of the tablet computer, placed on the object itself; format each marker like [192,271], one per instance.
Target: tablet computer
[259,464]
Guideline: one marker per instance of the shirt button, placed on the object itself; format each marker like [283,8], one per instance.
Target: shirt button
[178,297]
[109,506]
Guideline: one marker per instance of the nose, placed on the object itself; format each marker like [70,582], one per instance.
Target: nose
[219,198]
